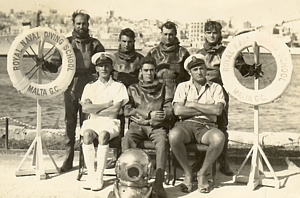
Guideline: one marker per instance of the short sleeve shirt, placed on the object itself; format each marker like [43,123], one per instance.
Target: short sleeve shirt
[210,93]
[99,92]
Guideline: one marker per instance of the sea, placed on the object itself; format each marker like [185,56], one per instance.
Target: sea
[282,115]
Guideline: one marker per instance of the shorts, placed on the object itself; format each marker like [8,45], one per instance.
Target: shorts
[194,130]
[102,124]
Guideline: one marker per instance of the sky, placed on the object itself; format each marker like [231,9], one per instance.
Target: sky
[258,12]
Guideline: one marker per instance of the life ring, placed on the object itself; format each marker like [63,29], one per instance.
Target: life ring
[284,68]
[33,38]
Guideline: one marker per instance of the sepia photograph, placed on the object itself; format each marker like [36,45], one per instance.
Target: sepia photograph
[150,99]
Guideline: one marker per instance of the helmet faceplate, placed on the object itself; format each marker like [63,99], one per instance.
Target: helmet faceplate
[134,168]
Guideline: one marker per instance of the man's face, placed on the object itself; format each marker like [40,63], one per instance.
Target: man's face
[81,25]
[168,36]
[104,70]
[212,36]
[148,72]
[198,73]
[126,43]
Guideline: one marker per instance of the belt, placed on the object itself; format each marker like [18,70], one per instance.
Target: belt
[206,124]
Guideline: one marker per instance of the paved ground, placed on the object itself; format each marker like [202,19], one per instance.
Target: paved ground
[66,185]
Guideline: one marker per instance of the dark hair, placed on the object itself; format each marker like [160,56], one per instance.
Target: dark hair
[148,60]
[212,25]
[82,13]
[169,25]
[127,32]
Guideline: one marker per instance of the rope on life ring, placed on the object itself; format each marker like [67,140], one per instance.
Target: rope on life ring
[15,63]
[283,73]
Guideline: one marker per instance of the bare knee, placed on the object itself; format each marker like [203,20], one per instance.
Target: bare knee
[103,137]
[217,137]
[88,136]
[175,136]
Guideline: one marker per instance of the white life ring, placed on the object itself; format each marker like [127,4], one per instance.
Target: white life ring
[283,63]
[15,63]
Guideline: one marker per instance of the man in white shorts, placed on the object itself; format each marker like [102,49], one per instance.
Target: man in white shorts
[102,100]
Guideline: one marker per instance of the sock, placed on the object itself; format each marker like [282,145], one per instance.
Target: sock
[89,159]
[102,154]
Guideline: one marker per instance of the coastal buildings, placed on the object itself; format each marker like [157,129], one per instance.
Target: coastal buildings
[107,27]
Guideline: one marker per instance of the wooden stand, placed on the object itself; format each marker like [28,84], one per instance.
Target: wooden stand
[256,176]
[38,166]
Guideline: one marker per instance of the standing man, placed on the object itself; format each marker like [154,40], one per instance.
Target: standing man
[84,47]
[170,57]
[149,109]
[127,59]
[213,50]
[197,102]
[127,67]
[102,100]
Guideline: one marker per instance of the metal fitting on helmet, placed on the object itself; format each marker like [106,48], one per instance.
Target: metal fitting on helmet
[134,168]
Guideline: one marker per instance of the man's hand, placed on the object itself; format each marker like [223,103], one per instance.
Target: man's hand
[158,115]
[139,120]
[87,101]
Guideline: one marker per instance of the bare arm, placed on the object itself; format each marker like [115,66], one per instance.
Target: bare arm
[111,111]
[184,111]
[88,107]
[208,109]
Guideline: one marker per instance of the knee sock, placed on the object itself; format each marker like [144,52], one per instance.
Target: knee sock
[89,159]
[102,154]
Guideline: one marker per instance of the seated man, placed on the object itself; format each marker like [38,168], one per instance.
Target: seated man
[197,102]
[149,109]
[103,100]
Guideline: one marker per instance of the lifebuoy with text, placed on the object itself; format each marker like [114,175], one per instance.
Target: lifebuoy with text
[15,63]
[283,71]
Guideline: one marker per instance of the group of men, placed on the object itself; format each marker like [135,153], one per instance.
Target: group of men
[169,96]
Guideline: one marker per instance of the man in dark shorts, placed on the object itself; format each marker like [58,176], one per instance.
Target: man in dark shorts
[212,51]
[197,103]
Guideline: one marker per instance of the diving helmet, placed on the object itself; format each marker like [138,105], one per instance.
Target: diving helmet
[134,168]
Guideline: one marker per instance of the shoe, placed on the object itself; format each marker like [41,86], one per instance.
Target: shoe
[97,185]
[186,188]
[160,192]
[87,185]
[111,164]
[226,171]
[65,169]
[203,188]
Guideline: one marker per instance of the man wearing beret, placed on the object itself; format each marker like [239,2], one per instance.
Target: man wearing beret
[102,100]
[197,103]
[84,47]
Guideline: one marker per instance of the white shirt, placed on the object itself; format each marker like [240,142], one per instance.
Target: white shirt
[210,93]
[99,92]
